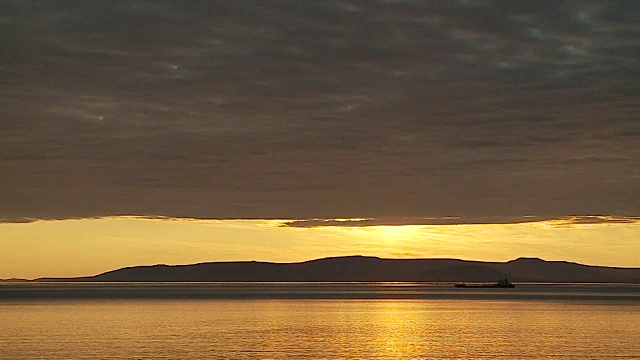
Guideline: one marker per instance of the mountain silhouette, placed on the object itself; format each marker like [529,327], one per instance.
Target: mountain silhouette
[363,268]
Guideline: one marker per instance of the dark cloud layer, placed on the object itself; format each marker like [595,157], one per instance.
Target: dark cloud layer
[304,109]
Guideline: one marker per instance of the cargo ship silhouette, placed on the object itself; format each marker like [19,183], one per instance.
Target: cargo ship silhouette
[502,283]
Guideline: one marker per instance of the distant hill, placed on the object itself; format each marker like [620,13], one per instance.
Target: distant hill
[362,268]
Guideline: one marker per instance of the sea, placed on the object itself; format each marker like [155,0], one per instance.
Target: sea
[317,321]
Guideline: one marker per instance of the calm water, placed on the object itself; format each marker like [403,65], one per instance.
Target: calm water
[317,321]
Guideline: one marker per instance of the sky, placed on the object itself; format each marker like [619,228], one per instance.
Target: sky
[80,247]
[449,113]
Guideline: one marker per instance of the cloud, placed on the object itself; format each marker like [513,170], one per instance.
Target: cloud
[328,109]
[567,221]
[17,220]
[562,222]
[596,219]
[445,220]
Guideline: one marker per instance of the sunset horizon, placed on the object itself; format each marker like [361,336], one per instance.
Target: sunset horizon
[124,241]
[441,146]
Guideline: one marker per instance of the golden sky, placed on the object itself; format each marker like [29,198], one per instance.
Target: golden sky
[61,248]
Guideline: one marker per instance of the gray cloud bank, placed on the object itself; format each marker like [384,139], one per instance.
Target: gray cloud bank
[319,109]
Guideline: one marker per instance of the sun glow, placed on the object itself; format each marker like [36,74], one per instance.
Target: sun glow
[389,233]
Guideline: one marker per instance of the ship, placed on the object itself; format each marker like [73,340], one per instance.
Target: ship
[502,283]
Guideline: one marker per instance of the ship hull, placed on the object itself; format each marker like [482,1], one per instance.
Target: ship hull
[510,286]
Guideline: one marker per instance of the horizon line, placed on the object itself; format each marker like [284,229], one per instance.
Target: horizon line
[317,259]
